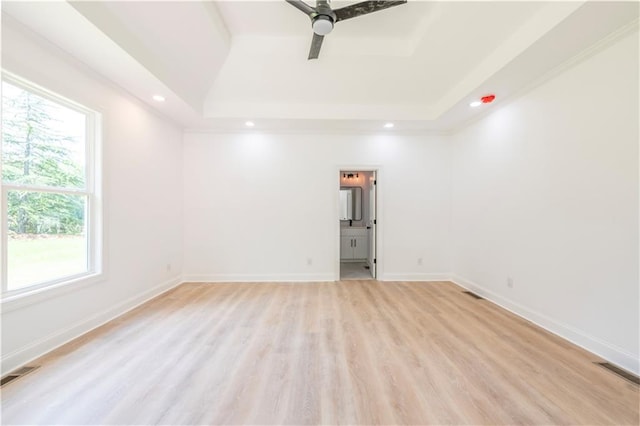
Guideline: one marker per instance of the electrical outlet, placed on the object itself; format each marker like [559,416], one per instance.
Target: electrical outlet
[309,261]
[419,261]
[509,282]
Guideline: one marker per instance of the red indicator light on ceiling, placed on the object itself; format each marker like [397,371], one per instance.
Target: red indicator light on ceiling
[487,99]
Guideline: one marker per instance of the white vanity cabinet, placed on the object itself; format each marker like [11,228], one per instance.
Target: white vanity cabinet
[353,244]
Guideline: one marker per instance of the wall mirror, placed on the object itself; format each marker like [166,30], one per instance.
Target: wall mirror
[350,203]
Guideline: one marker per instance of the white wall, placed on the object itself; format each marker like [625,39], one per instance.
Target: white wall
[545,190]
[257,206]
[143,172]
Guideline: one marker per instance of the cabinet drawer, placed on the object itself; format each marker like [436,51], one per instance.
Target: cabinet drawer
[353,232]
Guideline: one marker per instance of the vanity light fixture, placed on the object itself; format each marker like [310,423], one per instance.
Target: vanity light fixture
[350,176]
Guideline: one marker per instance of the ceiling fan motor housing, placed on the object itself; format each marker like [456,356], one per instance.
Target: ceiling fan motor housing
[323,17]
[322,24]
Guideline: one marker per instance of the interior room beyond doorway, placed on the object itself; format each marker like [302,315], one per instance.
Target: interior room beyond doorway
[357,224]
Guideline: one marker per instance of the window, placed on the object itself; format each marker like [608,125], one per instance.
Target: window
[51,222]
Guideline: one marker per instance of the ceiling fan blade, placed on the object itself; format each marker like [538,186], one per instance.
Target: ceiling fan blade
[316,44]
[300,5]
[364,8]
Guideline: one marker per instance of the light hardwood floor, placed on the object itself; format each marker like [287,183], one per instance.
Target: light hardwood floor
[351,352]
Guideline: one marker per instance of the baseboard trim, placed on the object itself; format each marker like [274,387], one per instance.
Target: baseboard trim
[598,347]
[248,278]
[35,350]
[257,278]
[426,277]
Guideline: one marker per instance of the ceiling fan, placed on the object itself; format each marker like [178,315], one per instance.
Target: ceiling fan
[323,17]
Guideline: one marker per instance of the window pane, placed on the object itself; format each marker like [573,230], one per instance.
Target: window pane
[47,238]
[43,143]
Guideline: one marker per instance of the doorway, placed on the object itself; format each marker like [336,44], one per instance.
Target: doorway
[358,224]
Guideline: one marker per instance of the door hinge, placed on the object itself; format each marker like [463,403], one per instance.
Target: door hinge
[374,222]
[375,181]
[375,260]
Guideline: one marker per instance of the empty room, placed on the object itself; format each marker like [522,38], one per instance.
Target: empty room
[310,212]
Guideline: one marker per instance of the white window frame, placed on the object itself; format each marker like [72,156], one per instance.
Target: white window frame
[92,190]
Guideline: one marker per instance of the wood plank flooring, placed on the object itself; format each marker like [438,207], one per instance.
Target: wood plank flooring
[351,352]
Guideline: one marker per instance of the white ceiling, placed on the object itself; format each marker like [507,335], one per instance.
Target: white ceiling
[179,42]
[419,64]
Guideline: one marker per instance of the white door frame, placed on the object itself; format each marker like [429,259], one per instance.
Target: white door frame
[379,216]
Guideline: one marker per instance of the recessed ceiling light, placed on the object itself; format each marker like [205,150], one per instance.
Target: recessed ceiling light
[475,104]
[249,124]
[158,98]
[388,126]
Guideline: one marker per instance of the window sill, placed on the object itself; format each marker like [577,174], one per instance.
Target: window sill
[12,302]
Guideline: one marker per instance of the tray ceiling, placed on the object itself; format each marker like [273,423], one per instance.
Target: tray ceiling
[219,63]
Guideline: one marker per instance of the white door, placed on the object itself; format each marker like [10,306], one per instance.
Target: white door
[372,224]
